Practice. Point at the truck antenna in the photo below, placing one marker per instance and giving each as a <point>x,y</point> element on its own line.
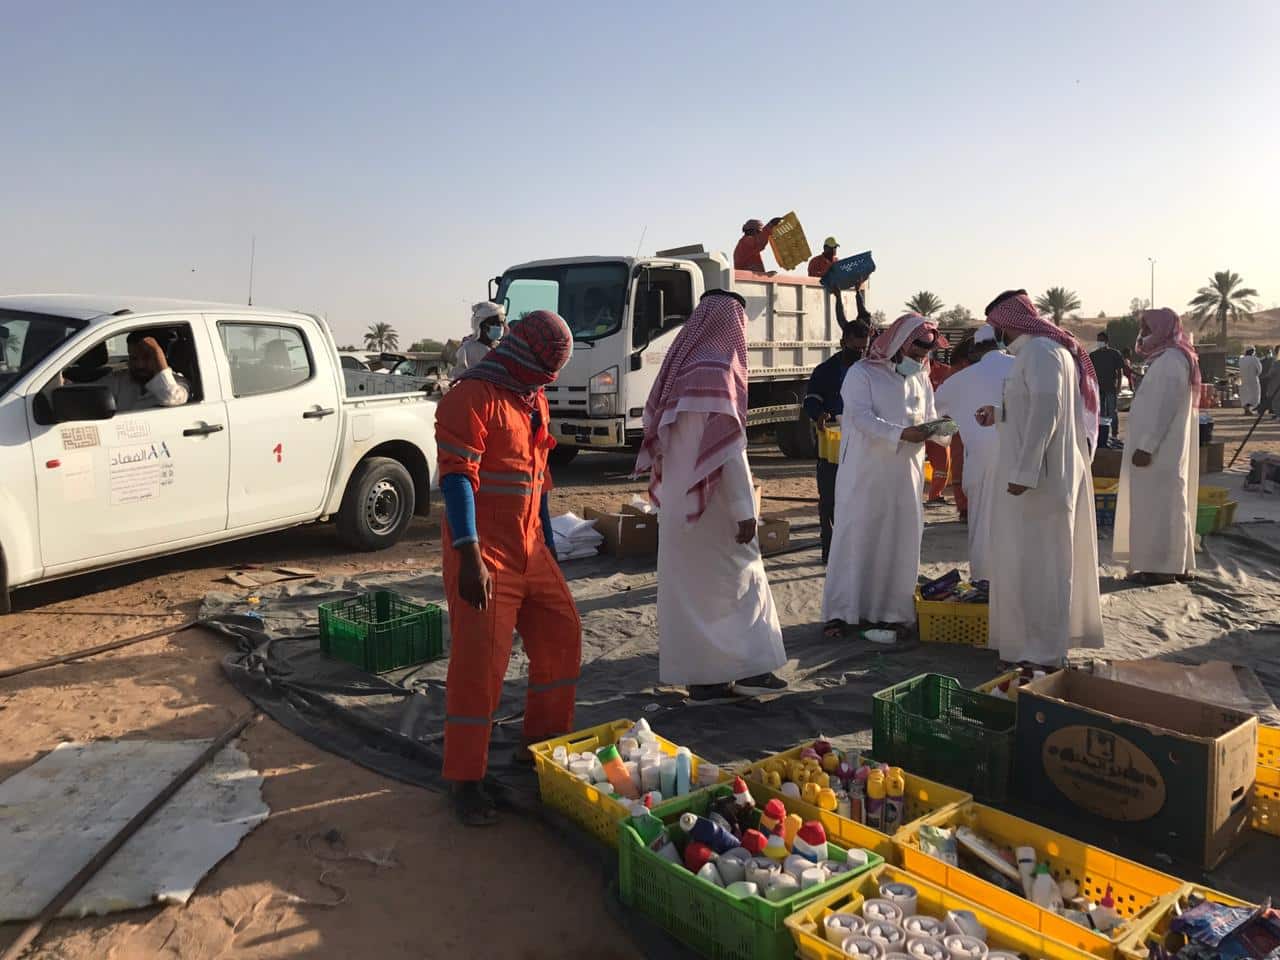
<point>253,250</point>
<point>643,230</point>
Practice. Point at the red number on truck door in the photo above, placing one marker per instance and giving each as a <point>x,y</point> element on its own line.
<point>278,450</point>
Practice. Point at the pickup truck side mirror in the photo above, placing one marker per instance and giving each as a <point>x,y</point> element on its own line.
<point>88,401</point>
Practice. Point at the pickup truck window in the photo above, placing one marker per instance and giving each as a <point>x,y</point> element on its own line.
<point>265,357</point>
<point>27,338</point>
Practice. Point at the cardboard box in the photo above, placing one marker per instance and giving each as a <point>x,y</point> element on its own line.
<point>1177,772</point>
<point>628,532</point>
<point>1213,455</point>
<point>773,534</point>
<point>1106,462</point>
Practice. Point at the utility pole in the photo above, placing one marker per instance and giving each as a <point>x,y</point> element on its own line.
<point>253,251</point>
<point>1153,282</point>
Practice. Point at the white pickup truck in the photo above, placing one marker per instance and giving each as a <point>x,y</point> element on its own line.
<point>268,437</point>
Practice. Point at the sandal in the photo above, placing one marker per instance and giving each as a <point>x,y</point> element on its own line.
<point>835,629</point>
<point>472,804</point>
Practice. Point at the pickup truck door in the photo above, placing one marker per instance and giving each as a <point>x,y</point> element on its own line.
<point>146,477</point>
<point>284,410</point>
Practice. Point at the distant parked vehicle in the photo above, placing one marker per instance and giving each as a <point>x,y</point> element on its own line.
<point>353,361</point>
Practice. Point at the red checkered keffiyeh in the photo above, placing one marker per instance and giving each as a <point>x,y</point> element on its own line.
<point>909,326</point>
<point>1167,334</point>
<point>530,356</point>
<point>705,371</point>
<point>1018,315</point>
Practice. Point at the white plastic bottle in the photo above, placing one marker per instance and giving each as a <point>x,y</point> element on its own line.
<point>1044,889</point>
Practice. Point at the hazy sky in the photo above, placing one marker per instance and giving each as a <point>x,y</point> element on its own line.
<point>390,157</point>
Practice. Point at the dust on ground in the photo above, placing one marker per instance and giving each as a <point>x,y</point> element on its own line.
<point>512,891</point>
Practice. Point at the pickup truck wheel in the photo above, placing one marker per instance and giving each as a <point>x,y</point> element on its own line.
<point>562,454</point>
<point>378,505</point>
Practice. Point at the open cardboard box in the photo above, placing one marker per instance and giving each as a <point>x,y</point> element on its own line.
<point>773,533</point>
<point>627,532</point>
<point>1178,772</point>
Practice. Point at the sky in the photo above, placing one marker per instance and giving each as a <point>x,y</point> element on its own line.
<point>391,157</point>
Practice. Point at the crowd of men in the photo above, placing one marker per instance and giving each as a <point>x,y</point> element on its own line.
<point>1028,403</point>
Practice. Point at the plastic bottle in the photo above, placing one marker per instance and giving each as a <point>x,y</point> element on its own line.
<point>617,774</point>
<point>684,771</point>
<point>875,800</point>
<point>645,824</point>
<point>1044,889</point>
<point>561,756</point>
<point>1026,868</point>
<point>790,827</point>
<point>1104,916</point>
<point>703,830</point>
<point>895,799</point>
<point>667,777</point>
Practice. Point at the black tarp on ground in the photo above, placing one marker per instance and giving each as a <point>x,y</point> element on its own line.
<point>392,724</point>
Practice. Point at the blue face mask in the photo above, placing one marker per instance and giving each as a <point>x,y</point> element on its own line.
<point>493,331</point>
<point>908,367</point>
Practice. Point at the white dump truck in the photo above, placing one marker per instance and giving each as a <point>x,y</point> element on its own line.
<point>263,434</point>
<point>625,312</point>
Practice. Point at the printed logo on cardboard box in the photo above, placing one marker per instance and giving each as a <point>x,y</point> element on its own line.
<point>1103,773</point>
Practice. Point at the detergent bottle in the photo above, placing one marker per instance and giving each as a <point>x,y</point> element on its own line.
<point>790,827</point>
<point>616,772</point>
<point>645,824</point>
<point>875,800</point>
<point>1104,916</point>
<point>895,785</point>
<point>684,770</point>
<point>1044,889</point>
<point>703,830</point>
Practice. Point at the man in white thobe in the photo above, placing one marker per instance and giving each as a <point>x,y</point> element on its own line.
<point>488,326</point>
<point>1250,381</point>
<point>879,519</point>
<point>977,385</point>
<point>1044,556</point>
<point>718,631</point>
<point>1159,483</point>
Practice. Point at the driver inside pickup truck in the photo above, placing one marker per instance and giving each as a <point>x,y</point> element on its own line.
<point>146,383</point>
<point>500,570</point>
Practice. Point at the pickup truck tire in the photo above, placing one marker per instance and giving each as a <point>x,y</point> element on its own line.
<point>562,454</point>
<point>378,505</point>
<point>798,440</point>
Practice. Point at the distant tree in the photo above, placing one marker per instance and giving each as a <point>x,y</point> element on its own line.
<point>957,316</point>
<point>381,336</point>
<point>1102,314</point>
<point>1122,332</point>
<point>879,318</point>
<point>925,303</point>
<point>426,345</point>
<point>349,348</point>
<point>1058,302</point>
<point>1223,299</point>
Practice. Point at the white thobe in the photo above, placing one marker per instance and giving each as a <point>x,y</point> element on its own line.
<point>1250,381</point>
<point>716,618</point>
<point>165,389</point>
<point>959,397</point>
<point>875,545</point>
<point>1044,556</point>
<point>1156,508</point>
<point>470,352</point>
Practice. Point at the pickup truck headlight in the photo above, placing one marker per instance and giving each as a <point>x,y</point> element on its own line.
<point>602,393</point>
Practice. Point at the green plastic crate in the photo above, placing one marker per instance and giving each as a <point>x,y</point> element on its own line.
<point>381,631</point>
<point>699,913</point>
<point>1206,518</point>
<point>935,728</point>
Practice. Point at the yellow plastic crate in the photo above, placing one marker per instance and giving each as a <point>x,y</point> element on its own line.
<point>1138,890</point>
<point>945,621</point>
<point>829,444</point>
<point>1214,495</point>
<point>598,813</point>
<point>1106,484</point>
<point>1227,513</point>
<point>922,798</point>
<point>808,923</point>
<point>1265,809</point>
<point>1134,945</point>
<point>1268,746</point>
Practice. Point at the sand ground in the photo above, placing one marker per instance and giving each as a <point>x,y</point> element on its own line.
<point>284,892</point>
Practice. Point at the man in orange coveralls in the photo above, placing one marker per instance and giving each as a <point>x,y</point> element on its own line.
<point>500,570</point>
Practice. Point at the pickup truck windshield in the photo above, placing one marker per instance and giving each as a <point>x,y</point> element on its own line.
<point>27,338</point>
<point>590,296</point>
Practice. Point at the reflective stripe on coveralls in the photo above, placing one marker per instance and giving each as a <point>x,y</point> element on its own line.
<point>484,433</point>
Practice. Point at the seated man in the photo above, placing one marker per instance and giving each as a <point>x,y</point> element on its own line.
<point>148,382</point>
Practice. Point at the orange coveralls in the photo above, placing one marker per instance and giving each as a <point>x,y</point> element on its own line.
<point>484,432</point>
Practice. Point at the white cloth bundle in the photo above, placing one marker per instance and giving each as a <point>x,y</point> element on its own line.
<point>575,538</point>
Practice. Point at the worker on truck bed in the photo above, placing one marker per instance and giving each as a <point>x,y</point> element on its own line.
<point>755,237</point>
<point>820,264</point>
<point>500,571</point>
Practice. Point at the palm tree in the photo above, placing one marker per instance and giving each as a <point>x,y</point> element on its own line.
<point>925,303</point>
<point>1058,301</point>
<point>381,336</point>
<point>1223,298</point>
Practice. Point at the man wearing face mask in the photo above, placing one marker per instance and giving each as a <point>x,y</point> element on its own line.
<point>1044,542</point>
<point>823,406</point>
<point>875,547</point>
<point>488,326</point>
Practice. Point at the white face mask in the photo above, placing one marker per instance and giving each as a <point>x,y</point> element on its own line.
<point>908,367</point>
